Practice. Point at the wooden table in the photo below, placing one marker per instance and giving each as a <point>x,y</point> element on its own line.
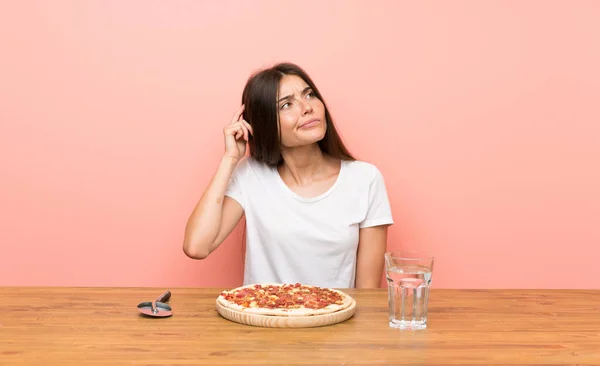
<point>88,326</point>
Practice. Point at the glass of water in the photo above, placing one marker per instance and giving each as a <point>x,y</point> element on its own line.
<point>408,276</point>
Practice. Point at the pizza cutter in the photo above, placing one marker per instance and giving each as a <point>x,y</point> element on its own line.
<point>157,308</point>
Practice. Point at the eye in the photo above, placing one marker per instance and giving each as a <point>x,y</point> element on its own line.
<point>284,105</point>
<point>311,94</point>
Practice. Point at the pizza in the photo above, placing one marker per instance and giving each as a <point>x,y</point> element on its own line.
<point>285,299</point>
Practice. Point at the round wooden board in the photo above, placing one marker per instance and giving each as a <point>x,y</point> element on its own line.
<point>287,321</point>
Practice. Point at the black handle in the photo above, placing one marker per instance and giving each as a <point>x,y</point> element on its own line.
<point>164,297</point>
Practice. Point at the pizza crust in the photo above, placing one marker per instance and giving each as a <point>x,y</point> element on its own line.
<point>300,312</point>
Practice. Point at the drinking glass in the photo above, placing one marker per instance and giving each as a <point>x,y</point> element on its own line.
<point>408,276</point>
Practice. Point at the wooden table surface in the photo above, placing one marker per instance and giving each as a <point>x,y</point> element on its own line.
<point>90,326</point>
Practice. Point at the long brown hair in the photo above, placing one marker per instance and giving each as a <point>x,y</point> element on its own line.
<point>260,98</point>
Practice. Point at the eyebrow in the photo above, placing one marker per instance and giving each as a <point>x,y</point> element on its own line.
<point>289,96</point>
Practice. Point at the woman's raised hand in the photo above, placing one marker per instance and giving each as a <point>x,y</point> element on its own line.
<point>236,135</point>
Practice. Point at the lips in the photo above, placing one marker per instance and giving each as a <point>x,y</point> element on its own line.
<point>310,123</point>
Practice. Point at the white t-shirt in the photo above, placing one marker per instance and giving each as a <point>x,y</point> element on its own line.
<point>313,241</point>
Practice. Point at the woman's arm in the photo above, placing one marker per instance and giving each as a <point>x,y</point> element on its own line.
<point>214,217</point>
<point>215,214</point>
<point>372,244</point>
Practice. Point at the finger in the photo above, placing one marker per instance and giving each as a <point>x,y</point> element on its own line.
<point>232,129</point>
<point>234,133</point>
<point>243,129</point>
<point>239,133</point>
<point>237,127</point>
<point>248,126</point>
<point>238,114</point>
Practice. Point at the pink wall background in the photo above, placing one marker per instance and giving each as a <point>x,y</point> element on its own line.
<point>483,116</point>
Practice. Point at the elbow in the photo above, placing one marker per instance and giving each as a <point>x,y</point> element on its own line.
<point>194,252</point>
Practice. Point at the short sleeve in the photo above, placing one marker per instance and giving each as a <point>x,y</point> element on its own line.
<point>235,184</point>
<point>379,211</point>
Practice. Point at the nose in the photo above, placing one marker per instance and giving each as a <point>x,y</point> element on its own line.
<point>306,107</point>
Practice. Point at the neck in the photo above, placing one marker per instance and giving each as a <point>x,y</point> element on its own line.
<point>303,163</point>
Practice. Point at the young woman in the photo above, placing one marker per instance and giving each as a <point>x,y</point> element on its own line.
<point>314,214</point>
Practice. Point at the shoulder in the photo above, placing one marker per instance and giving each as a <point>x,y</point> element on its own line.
<point>363,170</point>
<point>250,166</point>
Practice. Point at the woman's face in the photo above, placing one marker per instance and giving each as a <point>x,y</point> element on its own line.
<point>301,113</point>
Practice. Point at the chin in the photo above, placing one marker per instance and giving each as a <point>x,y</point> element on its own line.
<point>306,140</point>
<point>315,136</point>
